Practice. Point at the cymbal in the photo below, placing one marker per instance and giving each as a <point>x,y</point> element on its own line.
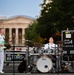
<point>60,41</point>
<point>37,44</point>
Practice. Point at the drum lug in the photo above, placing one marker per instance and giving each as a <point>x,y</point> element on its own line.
<point>34,69</point>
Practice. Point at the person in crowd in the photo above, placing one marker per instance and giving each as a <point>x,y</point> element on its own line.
<point>2,42</point>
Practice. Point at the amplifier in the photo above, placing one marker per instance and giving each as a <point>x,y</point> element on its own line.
<point>68,44</point>
<point>68,57</point>
<point>16,56</point>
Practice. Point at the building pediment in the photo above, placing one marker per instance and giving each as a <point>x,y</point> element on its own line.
<point>18,19</point>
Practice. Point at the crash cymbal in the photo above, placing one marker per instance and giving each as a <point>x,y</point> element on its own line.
<point>60,41</point>
<point>37,44</point>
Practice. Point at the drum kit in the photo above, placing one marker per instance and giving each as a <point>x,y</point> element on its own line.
<point>40,60</point>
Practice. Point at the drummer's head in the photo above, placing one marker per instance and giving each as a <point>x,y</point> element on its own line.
<point>51,40</point>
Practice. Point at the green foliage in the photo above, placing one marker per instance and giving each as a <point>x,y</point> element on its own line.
<point>31,33</point>
<point>7,45</point>
<point>7,37</point>
<point>56,16</point>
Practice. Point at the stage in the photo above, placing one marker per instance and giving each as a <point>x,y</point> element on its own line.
<point>12,68</point>
<point>8,69</point>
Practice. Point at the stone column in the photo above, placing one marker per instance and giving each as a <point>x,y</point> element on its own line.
<point>4,30</point>
<point>23,35</point>
<point>16,36</point>
<point>10,34</point>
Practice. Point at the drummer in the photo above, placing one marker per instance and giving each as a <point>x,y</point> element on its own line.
<point>53,47</point>
<point>50,45</point>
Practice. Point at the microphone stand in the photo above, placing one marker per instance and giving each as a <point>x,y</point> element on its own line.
<point>27,59</point>
<point>13,55</point>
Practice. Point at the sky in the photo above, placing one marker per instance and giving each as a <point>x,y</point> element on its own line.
<point>20,7</point>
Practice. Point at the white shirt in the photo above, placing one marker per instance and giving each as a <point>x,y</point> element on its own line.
<point>50,46</point>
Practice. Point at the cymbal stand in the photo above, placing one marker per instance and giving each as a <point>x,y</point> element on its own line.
<point>13,55</point>
<point>57,57</point>
<point>27,58</point>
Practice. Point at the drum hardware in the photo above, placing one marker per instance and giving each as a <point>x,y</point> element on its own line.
<point>72,64</point>
<point>33,60</point>
<point>44,65</point>
<point>27,59</point>
<point>45,61</point>
<point>13,39</point>
<point>44,58</point>
<point>33,68</point>
<point>65,67</point>
<point>49,53</point>
<point>58,59</point>
<point>68,64</point>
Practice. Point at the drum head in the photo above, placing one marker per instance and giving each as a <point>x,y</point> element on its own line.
<point>44,64</point>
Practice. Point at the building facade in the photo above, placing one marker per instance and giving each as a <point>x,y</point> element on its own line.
<point>15,28</point>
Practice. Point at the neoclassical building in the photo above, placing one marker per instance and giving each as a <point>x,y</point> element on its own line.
<point>15,27</point>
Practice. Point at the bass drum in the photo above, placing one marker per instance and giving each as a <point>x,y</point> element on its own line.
<point>44,64</point>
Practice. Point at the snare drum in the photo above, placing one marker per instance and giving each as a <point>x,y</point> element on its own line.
<point>44,64</point>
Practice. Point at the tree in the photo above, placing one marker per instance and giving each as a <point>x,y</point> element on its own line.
<point>31,33</point>
<point>7,37</point>
<point>7,44</point>
<point>55,16</point>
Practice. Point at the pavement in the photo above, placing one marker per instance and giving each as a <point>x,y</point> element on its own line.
<point>9,69</point>
<point>35,74</point>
